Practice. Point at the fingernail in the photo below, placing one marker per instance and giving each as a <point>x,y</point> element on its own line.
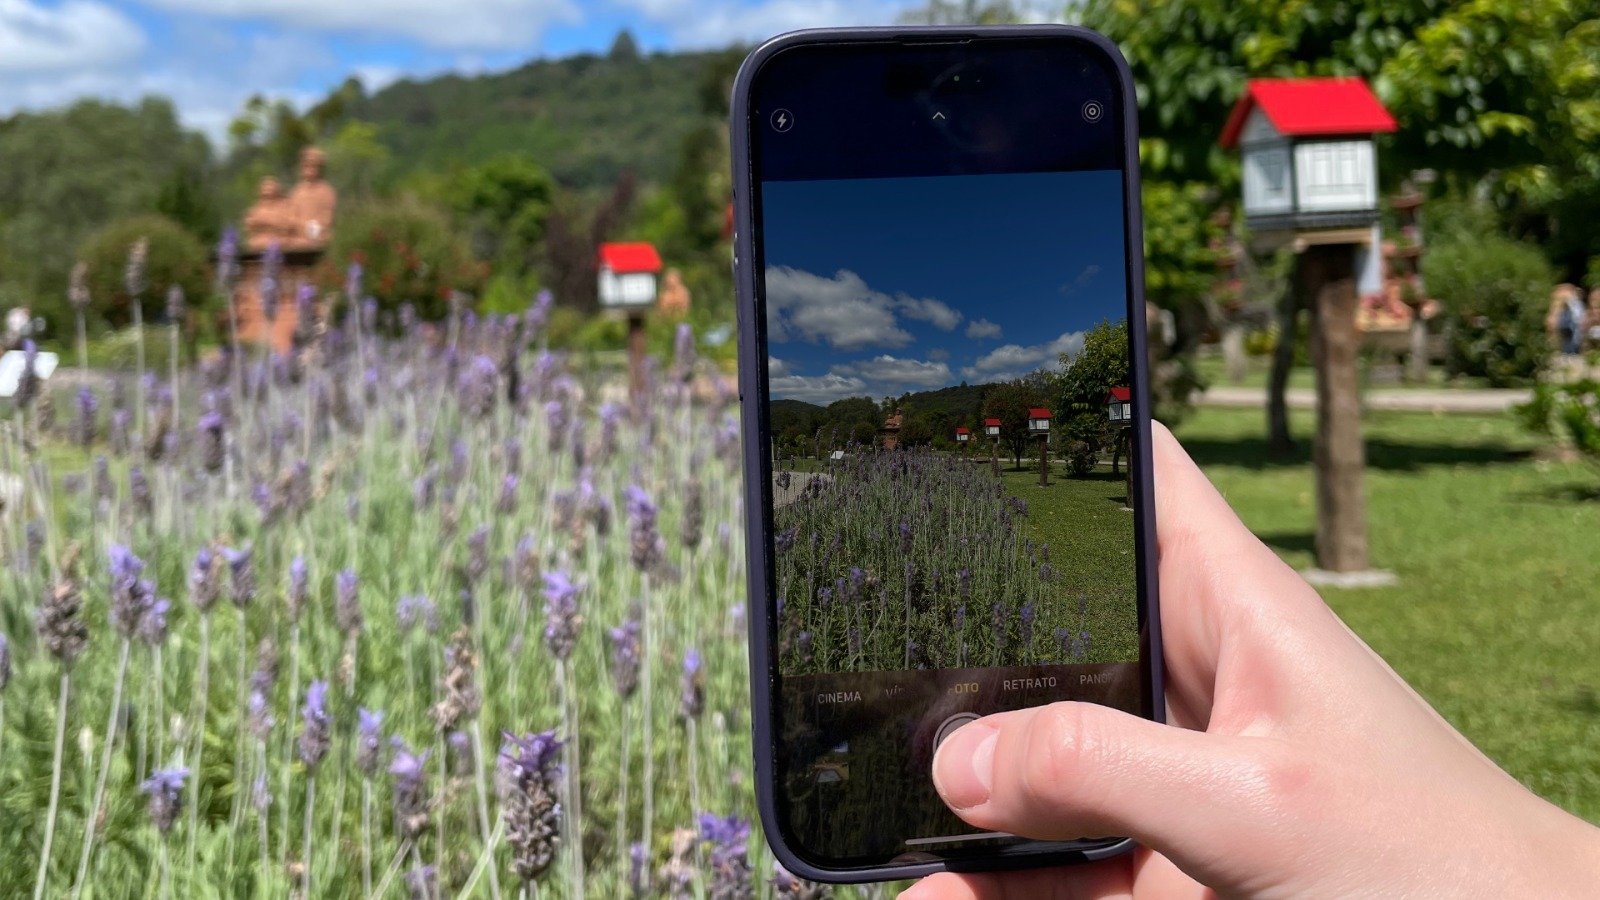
<point>963,769</point>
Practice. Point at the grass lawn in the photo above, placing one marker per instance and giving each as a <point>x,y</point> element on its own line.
<point>1212,370</point>
<point>1090,534</point>
<point>1496,619</point>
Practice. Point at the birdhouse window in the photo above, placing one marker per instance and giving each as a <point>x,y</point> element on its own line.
<point>1336,176</point>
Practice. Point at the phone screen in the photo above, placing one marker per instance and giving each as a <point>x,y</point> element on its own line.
<point>943,269</point>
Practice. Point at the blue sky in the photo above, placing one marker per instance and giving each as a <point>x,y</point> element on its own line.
<point>880,286</point>
<point>210,55</point>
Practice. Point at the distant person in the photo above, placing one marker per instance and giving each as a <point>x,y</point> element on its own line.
<point>1594,319</point>
<point>1568,319</point>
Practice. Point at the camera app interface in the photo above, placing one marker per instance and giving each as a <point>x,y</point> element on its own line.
<point>950,422</point>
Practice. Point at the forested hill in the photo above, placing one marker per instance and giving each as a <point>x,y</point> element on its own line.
<point>585,118</point>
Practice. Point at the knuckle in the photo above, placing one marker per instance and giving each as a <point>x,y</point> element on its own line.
<point>1058,752</point>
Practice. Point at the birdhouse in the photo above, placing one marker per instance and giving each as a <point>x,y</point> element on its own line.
<point>1038,421</point>
<point>628,276</point>
<point>991,427</point>
<point>1306,145</point>
<point>1119,404</point>
<point>963,434</point>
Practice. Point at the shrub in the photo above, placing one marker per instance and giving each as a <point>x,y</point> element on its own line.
<point>411,253</point>
<point>1570,412</point>
<point>175,257</point>
<point>1494,291</point>
<point>1081,458</point>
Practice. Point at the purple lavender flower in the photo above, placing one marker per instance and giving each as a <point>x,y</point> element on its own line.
<point>638,870</point>
<point>411,801</point>
<point>139,492</point>
<point>506,504</point>
<point>205,579</point>
<point>610,419</point>
<point>683,352</point>
<point>1027,616</point>
<point>5,661</point>
<point>369,741</point>
<point>152,628</point>
<point>558,422</point>
<point>133,275</point>
<point>165,790</point>
<point>532,816</point>
<point>479,386</point>
<point>692,691</point>
<point>728,839</point>
<point>788,886</point>
<point>539,312</point>
<point>131,595</point>
<point>347,602</point>
<point>644,541</point>
<point>271,285</point>
<point>228,259</point>
<point>626,654</point>
<point>352,282</point>
<point>60,620</point>
<point>176,304</point>
<point>561,617</point>
<point>460,744</point>
<point>241,576</point>
<point>299,587</point>
<point>422,883</point>
<point>259,715</point>
<point>118,436</point>
<point>83,425</point>
<point>213,446</point>
<point>78,288</point>
<point>414,609</point>
<point>477,555</point>
<point>317,734</point>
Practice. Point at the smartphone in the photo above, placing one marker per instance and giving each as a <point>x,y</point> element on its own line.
<point>943,381</point>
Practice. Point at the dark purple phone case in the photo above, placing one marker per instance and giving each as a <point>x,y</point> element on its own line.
<point>758,475</point>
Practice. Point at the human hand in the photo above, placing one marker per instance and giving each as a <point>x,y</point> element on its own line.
<point>1302,764</point>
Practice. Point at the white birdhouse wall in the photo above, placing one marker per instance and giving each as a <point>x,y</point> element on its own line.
<point>1335,176</point>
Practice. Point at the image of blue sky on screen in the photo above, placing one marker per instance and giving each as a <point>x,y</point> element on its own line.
<point>878,287</point>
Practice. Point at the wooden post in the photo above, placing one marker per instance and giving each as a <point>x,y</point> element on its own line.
<point>1327,276</point>
<point>1044,460</point>
<point>636,353</point>
<point>994,455</point>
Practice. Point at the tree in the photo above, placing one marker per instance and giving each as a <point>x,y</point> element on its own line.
<point>624,49</point>
<point>506,203</point>
<point>1009,402</point>
<point>1495,294</point>
<point>572,239</point>
<point>67,173</point>
<point>411,251</point>
<point>1081,388</point>
<point>175,257</point>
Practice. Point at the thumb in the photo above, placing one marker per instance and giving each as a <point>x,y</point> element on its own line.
<point>1074,770</point>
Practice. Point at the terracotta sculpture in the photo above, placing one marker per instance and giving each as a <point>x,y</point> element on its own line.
<point>270,220</point>
<point>675,294</point>
<point>313,200</point>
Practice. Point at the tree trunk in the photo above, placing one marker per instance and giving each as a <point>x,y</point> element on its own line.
<point>1328,276</point>
<point>1279,441</point>
<point>1417,362</point>
<point>636,355</point>
<point>1234,362</point>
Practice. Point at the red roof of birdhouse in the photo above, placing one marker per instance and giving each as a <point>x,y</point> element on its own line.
<point>991,423</point>
<point>962,429</point>
<point>1119,395</point>
<point>1038,412</point>
<point>1304,107</point>
<point>628,259</point>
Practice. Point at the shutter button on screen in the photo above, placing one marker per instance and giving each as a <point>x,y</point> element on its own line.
<point>951,725</point>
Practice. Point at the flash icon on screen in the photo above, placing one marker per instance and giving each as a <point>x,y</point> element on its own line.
<point>782,120</point>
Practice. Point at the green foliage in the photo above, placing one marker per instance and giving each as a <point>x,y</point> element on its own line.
<point>1009,402</point>
<point>1080,391</point>
<point>411,253</point>
<point>1568,411</point>
<point>1494,293</point>
<point>67,173</point>
<point>586,119</point>
<point>175,257</point>
<point>505,203</point>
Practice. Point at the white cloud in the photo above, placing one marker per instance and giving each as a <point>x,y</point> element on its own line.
<point>933,312</point>
<point>981,329</point>
<point>903,373</point>
<point>841,311</point>
<point>67,38</point>
<point>776,367</point>
<point>1014,360</point>
<point>479,24</point>
<point>820,389</point>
